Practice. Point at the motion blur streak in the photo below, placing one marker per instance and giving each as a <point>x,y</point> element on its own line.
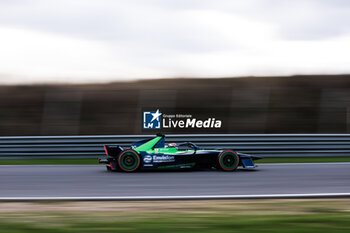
<point>90,181</point>
<point>300,104</point>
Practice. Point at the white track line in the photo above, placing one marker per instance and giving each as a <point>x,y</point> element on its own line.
<point>194,197</point>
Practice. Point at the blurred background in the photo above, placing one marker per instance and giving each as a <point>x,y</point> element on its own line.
<point>91,67</point>
<point>297,104</point>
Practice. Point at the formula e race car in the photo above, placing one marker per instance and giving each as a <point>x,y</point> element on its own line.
<point>154,154</point>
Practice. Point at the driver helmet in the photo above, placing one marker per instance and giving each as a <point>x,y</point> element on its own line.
<point>172,144</point>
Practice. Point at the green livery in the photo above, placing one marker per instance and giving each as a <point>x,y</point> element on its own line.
<point>154,153</point>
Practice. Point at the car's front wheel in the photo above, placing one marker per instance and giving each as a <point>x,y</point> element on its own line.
<point>129,161</point>
<point>228,160</point>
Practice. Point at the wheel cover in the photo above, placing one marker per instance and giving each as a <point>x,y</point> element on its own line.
<point>229,160</point>
<point>129,161</point>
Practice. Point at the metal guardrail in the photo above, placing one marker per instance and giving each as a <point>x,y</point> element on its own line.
<point>266,145</point>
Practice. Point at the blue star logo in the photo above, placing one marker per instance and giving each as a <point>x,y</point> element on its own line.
<point>151,120</point>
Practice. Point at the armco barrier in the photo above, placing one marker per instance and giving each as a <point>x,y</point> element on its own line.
<point>266,145</point>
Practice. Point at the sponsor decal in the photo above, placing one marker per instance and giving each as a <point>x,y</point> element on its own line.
<point>163,158</point>
<point>184,165</point>
<point>148,165</point>
<point>147,159</point>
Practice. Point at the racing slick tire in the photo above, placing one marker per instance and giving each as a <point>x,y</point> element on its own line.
<point>228,160</point>
<point>129,161</point>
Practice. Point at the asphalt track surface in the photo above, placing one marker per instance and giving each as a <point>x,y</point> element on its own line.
<point>55,181</point>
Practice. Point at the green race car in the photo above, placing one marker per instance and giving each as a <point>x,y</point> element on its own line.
<point>153,153</point>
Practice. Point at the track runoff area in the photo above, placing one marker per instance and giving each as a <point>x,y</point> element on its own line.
<point>93,182</point>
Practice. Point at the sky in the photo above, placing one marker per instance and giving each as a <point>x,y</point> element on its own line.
<point>82,41</point>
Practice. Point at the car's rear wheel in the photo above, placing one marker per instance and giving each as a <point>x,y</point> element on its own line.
<point>228,160</point>
<point>129,161</point>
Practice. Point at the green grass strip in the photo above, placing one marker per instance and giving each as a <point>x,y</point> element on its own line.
<point>209,217</point>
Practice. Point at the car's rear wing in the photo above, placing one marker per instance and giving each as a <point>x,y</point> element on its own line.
<point>113,150</point>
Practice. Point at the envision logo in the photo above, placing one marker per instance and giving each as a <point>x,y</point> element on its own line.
<point>151,120</point>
